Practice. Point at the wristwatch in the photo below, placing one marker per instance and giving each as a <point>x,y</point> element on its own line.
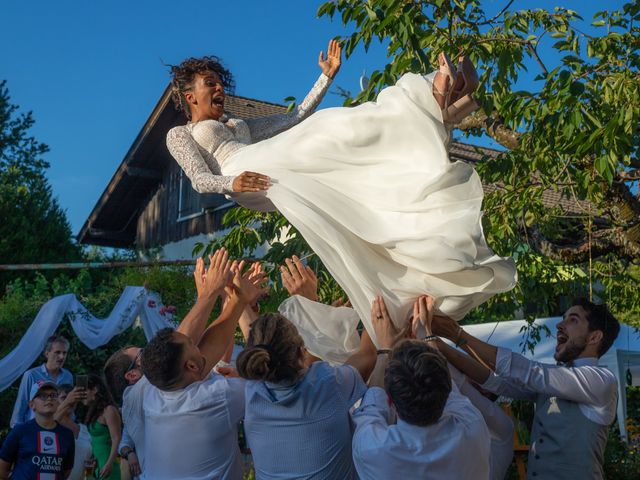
<point>126,454</point>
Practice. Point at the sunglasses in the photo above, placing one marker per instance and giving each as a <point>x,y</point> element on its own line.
<point>47,396</point>
<point>134,362</point>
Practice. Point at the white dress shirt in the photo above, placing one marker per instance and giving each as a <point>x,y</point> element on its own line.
<point>133,421</point>
<point>192,433</point>
<point>498,422</point>
<point>456,446</point>
<point>594,388</point>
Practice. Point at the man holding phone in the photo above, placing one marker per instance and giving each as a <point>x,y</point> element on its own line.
<point>55,354</point>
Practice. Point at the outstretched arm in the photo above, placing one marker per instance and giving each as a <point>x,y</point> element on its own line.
<point>483,352</point>
<point>242,292</point>
<point>265,127</point>
<point>423,313</point>
<point>584,384</point>
<point>366,360</point>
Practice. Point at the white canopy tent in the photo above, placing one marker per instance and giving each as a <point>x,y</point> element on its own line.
<point>622,356</point>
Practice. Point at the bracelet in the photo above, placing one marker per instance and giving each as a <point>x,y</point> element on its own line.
<point>459,340</point>
<point>126,455</point>
<point>430,338</point>
<point>383,351</point>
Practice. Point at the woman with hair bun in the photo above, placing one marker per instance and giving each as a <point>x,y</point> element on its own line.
<point>297,413</point>
<point>370,188</point>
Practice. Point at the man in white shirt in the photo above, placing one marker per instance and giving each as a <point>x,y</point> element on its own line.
<point>123,371</point>
<point>438,433</point>
<point>191,415</point>
<point>500,426</point>
<point>575,400</point>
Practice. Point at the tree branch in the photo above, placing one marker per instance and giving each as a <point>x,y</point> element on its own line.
<point>629,176</point>
<point>602,242</point>
<point>491,20</point>
<point>534,52</point>
<point>493,127</point>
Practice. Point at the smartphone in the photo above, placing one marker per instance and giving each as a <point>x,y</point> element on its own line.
<point>82,381</point>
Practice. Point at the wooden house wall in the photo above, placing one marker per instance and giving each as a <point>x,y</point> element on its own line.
<point>158,223</point>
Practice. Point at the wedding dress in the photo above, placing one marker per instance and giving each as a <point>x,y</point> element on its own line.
<point>372,191</point>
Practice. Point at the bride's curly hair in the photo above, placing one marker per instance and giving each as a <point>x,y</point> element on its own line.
<point>184,74</point>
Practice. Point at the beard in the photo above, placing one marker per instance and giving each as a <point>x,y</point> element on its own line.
<point>571,350</point>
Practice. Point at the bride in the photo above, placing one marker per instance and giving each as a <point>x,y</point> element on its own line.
<point>370,188</point>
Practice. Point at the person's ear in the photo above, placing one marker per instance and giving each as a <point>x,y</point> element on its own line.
<point>190,98</point>
<point>192,366</point>
<point>595,337</point>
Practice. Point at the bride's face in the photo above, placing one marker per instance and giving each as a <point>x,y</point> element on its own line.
<point>206,97</point>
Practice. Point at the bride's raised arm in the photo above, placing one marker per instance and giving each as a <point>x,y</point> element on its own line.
<point>268,126</point>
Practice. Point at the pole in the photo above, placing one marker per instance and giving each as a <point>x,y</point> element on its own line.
<point>89,265</point>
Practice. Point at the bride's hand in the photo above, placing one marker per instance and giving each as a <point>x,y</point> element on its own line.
<point>251,182</point>
<point>331,64</point>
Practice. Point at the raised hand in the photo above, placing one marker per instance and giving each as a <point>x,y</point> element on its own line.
<point>247,287</point>
<point>386,332</point>
<point>423,314</point>
<point>77,394</point>
<point>331,63</point>
<point>251,182</point>
<point>218,275</point>
<point>198,276</point>
<point>299,279</point>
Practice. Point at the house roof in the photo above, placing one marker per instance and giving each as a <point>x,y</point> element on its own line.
<point>113,220</point>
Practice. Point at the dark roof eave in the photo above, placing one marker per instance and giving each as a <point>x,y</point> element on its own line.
<point>121,171</point>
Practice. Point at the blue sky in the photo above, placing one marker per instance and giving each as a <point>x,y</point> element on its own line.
<point>91,71</point>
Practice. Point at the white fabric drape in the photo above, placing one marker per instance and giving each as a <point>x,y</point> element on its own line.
<point>92,331</point>
<point>328,332</point>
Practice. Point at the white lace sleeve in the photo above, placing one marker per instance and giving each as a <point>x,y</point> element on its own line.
<point>185,150</point>
<point>265,127</point>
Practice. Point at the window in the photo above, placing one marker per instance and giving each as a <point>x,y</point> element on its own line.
<point>193,204</point>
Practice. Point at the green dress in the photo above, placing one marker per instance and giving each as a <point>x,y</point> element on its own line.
<point>101,446</point>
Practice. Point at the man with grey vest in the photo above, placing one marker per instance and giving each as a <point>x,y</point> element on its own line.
<point>575,400</point>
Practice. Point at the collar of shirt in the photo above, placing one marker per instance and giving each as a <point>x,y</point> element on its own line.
<point>581,362</point>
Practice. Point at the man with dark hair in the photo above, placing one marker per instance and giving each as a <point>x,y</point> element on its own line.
<point>123,370</point>
<point>55,354</point>
<point>438,433</point>
<point>40,448</point>
<point>191,414</point>
<point>575,400</point>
